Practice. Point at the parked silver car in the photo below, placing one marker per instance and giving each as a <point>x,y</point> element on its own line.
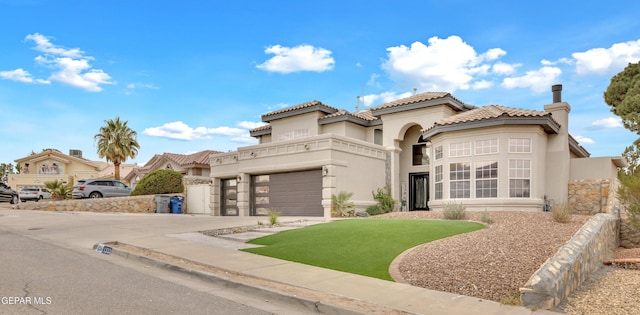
<point>34,193</point>
<point>99,188</point>
<point>8,194</point>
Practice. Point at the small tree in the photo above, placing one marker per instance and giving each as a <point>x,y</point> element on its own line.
<point>341,205</point>
<point>159,182</point>
<point>59,190</point>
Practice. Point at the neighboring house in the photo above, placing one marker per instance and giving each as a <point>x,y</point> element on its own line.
<point>51,164</point>
<point>194,167</point>
<point>430,149</point>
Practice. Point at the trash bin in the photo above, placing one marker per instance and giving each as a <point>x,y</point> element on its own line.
<point>162,204</point>
<point>176,204</point>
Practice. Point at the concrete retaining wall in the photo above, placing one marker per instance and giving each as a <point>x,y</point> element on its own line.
<point>572,265</point>
<point>131,204</point>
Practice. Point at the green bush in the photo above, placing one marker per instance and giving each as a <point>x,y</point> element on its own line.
<point>59,190</point>
<point>385,201</point>
<point>629,196</point>
<point>341,205</point>
<point>273,216</point>
<point>454,211</point>
<point>159,182</point>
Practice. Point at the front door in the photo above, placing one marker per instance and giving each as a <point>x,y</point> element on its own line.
<point>418,191</point>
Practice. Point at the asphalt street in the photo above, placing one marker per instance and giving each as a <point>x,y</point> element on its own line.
<point>41,278</point>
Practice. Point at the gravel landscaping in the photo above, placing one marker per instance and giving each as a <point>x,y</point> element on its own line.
<point>495,262</point>
<point>492,263</point>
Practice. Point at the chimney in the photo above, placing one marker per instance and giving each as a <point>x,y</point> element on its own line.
<point>557,93</point>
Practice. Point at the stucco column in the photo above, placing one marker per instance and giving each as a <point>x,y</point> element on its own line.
<point>392,169</point>
<point>328,188</point>
<point>215,194</point>
<point>244,194</point>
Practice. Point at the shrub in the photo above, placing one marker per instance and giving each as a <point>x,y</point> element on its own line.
<point>385,201</point>
<point>629,196</point>
<point>159,182</point>
<point>273,216</point>
<point>561,213</point>
<point>341,204</point>
<point>454,211</point>
<point>485,218</point>
<point>58,189</point>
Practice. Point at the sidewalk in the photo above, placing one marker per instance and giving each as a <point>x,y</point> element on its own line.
<point>167,235</point>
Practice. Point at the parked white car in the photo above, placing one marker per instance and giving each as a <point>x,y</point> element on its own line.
<point>34,193</point>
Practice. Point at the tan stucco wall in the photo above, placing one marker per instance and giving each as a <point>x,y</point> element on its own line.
<point>353,166</point>
<point>304,121</point>
<point>345,128</point>
<point>71,170</point>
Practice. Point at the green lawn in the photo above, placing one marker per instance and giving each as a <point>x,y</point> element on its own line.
<point>360,246</point>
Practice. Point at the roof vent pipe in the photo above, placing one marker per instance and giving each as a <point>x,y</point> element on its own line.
<point>557,93</point>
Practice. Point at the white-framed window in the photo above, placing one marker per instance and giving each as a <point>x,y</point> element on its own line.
<point>489,146</point>
<point>519,145</point>
<point>460,180</point>
<point>438,182</point>
<point>520,178</point>
<point>293,134</point>
<point>437,152</point>
<point>460,149</point>
<point>487,179</point>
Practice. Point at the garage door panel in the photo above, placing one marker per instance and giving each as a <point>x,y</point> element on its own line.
<point>296,193</point>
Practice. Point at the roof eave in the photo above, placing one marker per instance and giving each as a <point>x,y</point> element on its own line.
<point>549,125</point>
<point>445,100</point>
<point>294,112</point>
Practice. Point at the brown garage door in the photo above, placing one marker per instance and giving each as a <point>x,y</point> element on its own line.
<point>291,194</point>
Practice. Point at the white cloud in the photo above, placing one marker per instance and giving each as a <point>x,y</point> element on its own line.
<point>607,60</point>
<point>537,80</point>
<point>504,68</point>
<point>584,140</point>
<point>178,130</point>
<point>483,84</point>
<point>382,98</point>
<point>70,66</point>
<point>296,59</point>
<point>132,87</point>
<point>607,123</point>
<point>250,124</point>
<point>21,75</point>
<point>441,65</point>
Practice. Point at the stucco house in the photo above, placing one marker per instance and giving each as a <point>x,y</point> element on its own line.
<point>429,149</point>
<point>51,164</point>
<point>194,167</point>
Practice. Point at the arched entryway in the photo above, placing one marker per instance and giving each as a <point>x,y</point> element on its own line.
<point>414,170</point>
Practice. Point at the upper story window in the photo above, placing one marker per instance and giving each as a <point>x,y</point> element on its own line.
<point>377,136</point>
<point>519,145</point>
<point>489,146</point>
<point>437,152</point>
<point>420,155</point>
<point>293,134</point>
<point>460,149</point>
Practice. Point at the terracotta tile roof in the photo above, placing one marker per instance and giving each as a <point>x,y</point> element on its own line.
<point>414,99</point>
<point>299,106</point>
<point>198,158</point>
<point>265,127</point>
<point>489,112</point>
<point>366,115</point>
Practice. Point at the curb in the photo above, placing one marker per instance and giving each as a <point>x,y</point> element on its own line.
<point>321,305</point>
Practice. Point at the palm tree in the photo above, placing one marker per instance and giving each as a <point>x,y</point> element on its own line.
<point>117,142</point>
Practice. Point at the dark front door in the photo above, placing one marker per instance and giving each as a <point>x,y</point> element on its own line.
<point>418,191</point>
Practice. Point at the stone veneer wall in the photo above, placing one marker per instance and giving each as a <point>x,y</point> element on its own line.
<point>591,196</point>
<point>132,204</point>
<point>560,275</point>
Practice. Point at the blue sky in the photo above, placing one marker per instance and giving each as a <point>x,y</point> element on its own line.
<point>196,75</point>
